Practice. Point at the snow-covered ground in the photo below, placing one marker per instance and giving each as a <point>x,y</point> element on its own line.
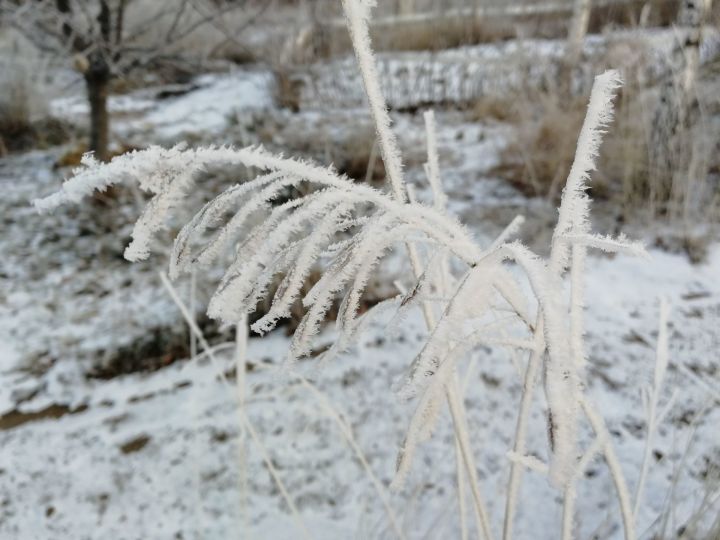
<point>208,106</point>
<point>158,454</point>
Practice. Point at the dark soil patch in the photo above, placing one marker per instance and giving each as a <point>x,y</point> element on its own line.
<point>135,445</point>
<point>155,350</point>
<point>17,418</point>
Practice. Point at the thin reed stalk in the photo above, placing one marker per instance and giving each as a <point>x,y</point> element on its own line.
<point>244,420</point>
<point>346,430</point>
<point>357,15</point>
<point>240,353</point>
<point>613,463</point>
<point>651,400</point>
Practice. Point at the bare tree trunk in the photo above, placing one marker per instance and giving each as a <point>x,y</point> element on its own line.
<point>690,19</point>
<point>672,148</point>
<point>578,29</point>
<point>97,80</point>
<point>574,47</point>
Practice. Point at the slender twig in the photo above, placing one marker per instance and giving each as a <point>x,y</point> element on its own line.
<point>245,421</point>
<point>241,345</point>
<point>347,433</point>
<point>621,489</point>
<point>661,362</point>
<point>519,446</point>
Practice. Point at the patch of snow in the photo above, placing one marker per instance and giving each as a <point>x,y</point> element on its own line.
<point>76,106</point>
<point>157,455</point>
<point>209,109</point>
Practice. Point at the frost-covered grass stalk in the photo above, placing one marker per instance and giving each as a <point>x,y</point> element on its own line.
<point>246,425</point>
<point>357,13</point>
<point>651,398</point>
<point>240,353</point>
<point>258,235</point>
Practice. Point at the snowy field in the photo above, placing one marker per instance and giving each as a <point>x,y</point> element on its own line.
<point>157,454</point>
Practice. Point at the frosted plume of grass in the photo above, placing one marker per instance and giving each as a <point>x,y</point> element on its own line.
<point>357,14</point>
<point>348,228</point>
<point>370,221</point>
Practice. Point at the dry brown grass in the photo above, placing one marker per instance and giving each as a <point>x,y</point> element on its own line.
<point>538,158</point>
<point>443,34</point>
<point>287,88</point>
<point>685,185</point>
<point>355,157</point>
<point>420,35</point>
<point>25,121</point>
<point>542,145</point>
<point>624,158</point>
<point>18,133</point>
<point>499,108</point>
<point>350,152</point>
<point>16,107</point>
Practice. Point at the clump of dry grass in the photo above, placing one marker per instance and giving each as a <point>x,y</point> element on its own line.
<point>288,88</point>
<point>357,156</point>
<point>541,148</point>
<point>351,152</point>
<point>15,108</point>
<point>494,107</point>
<point>679,185</point>
<point>541,151</point>
<point>18,134</point>
<point>157,348</point>
<point>443,33</point>
<point>24,120</point>
<point>430,34</point>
